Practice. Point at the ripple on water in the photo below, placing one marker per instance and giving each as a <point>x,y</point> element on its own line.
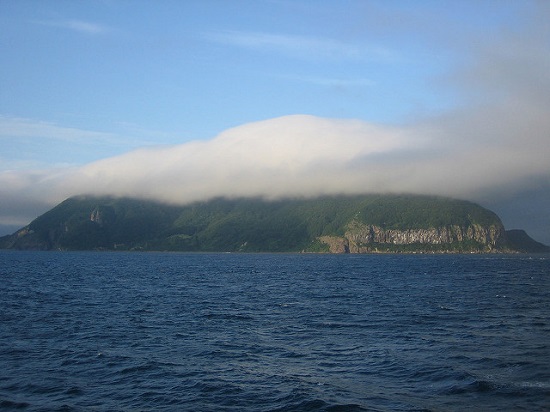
<point>138,331</point>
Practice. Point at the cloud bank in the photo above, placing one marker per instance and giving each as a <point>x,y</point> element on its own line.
<point>490,152</point>
<point>308,156</point>
<point>303,155</point>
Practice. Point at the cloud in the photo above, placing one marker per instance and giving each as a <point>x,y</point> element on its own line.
<point>29,143</point>
<point>26,194</point>
<point>288,156</point>
<point>18,127</point>
<point>302,155</point>
<point>298,46</point>
<point>333,81</point>
<point>80,26</point>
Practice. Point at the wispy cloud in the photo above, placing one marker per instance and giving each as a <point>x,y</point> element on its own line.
<point>333,81</point>
<point>80,26</point>
<point>298,46</point>
<point>17,127</point>
<point>29,143</point>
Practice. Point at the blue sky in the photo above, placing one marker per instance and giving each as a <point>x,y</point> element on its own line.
<point>434,85</point>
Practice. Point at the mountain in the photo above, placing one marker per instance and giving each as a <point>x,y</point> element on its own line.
<point>520,241</point>
<point>337,224</point>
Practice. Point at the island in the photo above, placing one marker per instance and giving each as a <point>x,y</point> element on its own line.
<point>374,223</point>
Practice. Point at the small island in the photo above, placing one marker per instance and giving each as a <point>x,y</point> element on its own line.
<point>330,224</point>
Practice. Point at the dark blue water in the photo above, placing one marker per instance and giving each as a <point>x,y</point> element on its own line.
<point>267,332</point>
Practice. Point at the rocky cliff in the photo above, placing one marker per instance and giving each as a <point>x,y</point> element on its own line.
<point>364,238</point>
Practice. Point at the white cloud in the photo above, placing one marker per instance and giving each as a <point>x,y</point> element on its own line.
<point>17,127</point>
<point>288,156</point>
<point>86,27</point>
<point>80,26</point>
<point>299,46</point>
<point>307,156</point>
<point>333,81</point>
<point>29,144</point>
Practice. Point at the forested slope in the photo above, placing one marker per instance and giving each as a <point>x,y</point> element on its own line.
<point>367,223</point>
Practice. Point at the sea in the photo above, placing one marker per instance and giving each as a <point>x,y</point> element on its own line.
<point>134,331</point>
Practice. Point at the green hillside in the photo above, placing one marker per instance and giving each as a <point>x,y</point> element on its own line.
<point>253,225</point>
<point>520,241</point>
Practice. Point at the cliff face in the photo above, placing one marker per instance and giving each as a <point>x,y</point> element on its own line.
<point>361,238</point>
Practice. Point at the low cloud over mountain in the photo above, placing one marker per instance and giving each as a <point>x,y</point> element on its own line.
<point>493,147</point>
<point>489,152</point>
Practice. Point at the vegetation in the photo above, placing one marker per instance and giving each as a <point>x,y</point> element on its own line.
<point>520,241</point>
<point>246,224</point>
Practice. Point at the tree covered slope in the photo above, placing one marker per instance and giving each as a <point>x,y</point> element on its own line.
<point>356,224</point>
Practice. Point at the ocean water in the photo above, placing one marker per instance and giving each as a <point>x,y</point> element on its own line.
<point>96,331</point>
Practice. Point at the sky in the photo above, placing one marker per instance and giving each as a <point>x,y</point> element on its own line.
<point>187,100</point>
